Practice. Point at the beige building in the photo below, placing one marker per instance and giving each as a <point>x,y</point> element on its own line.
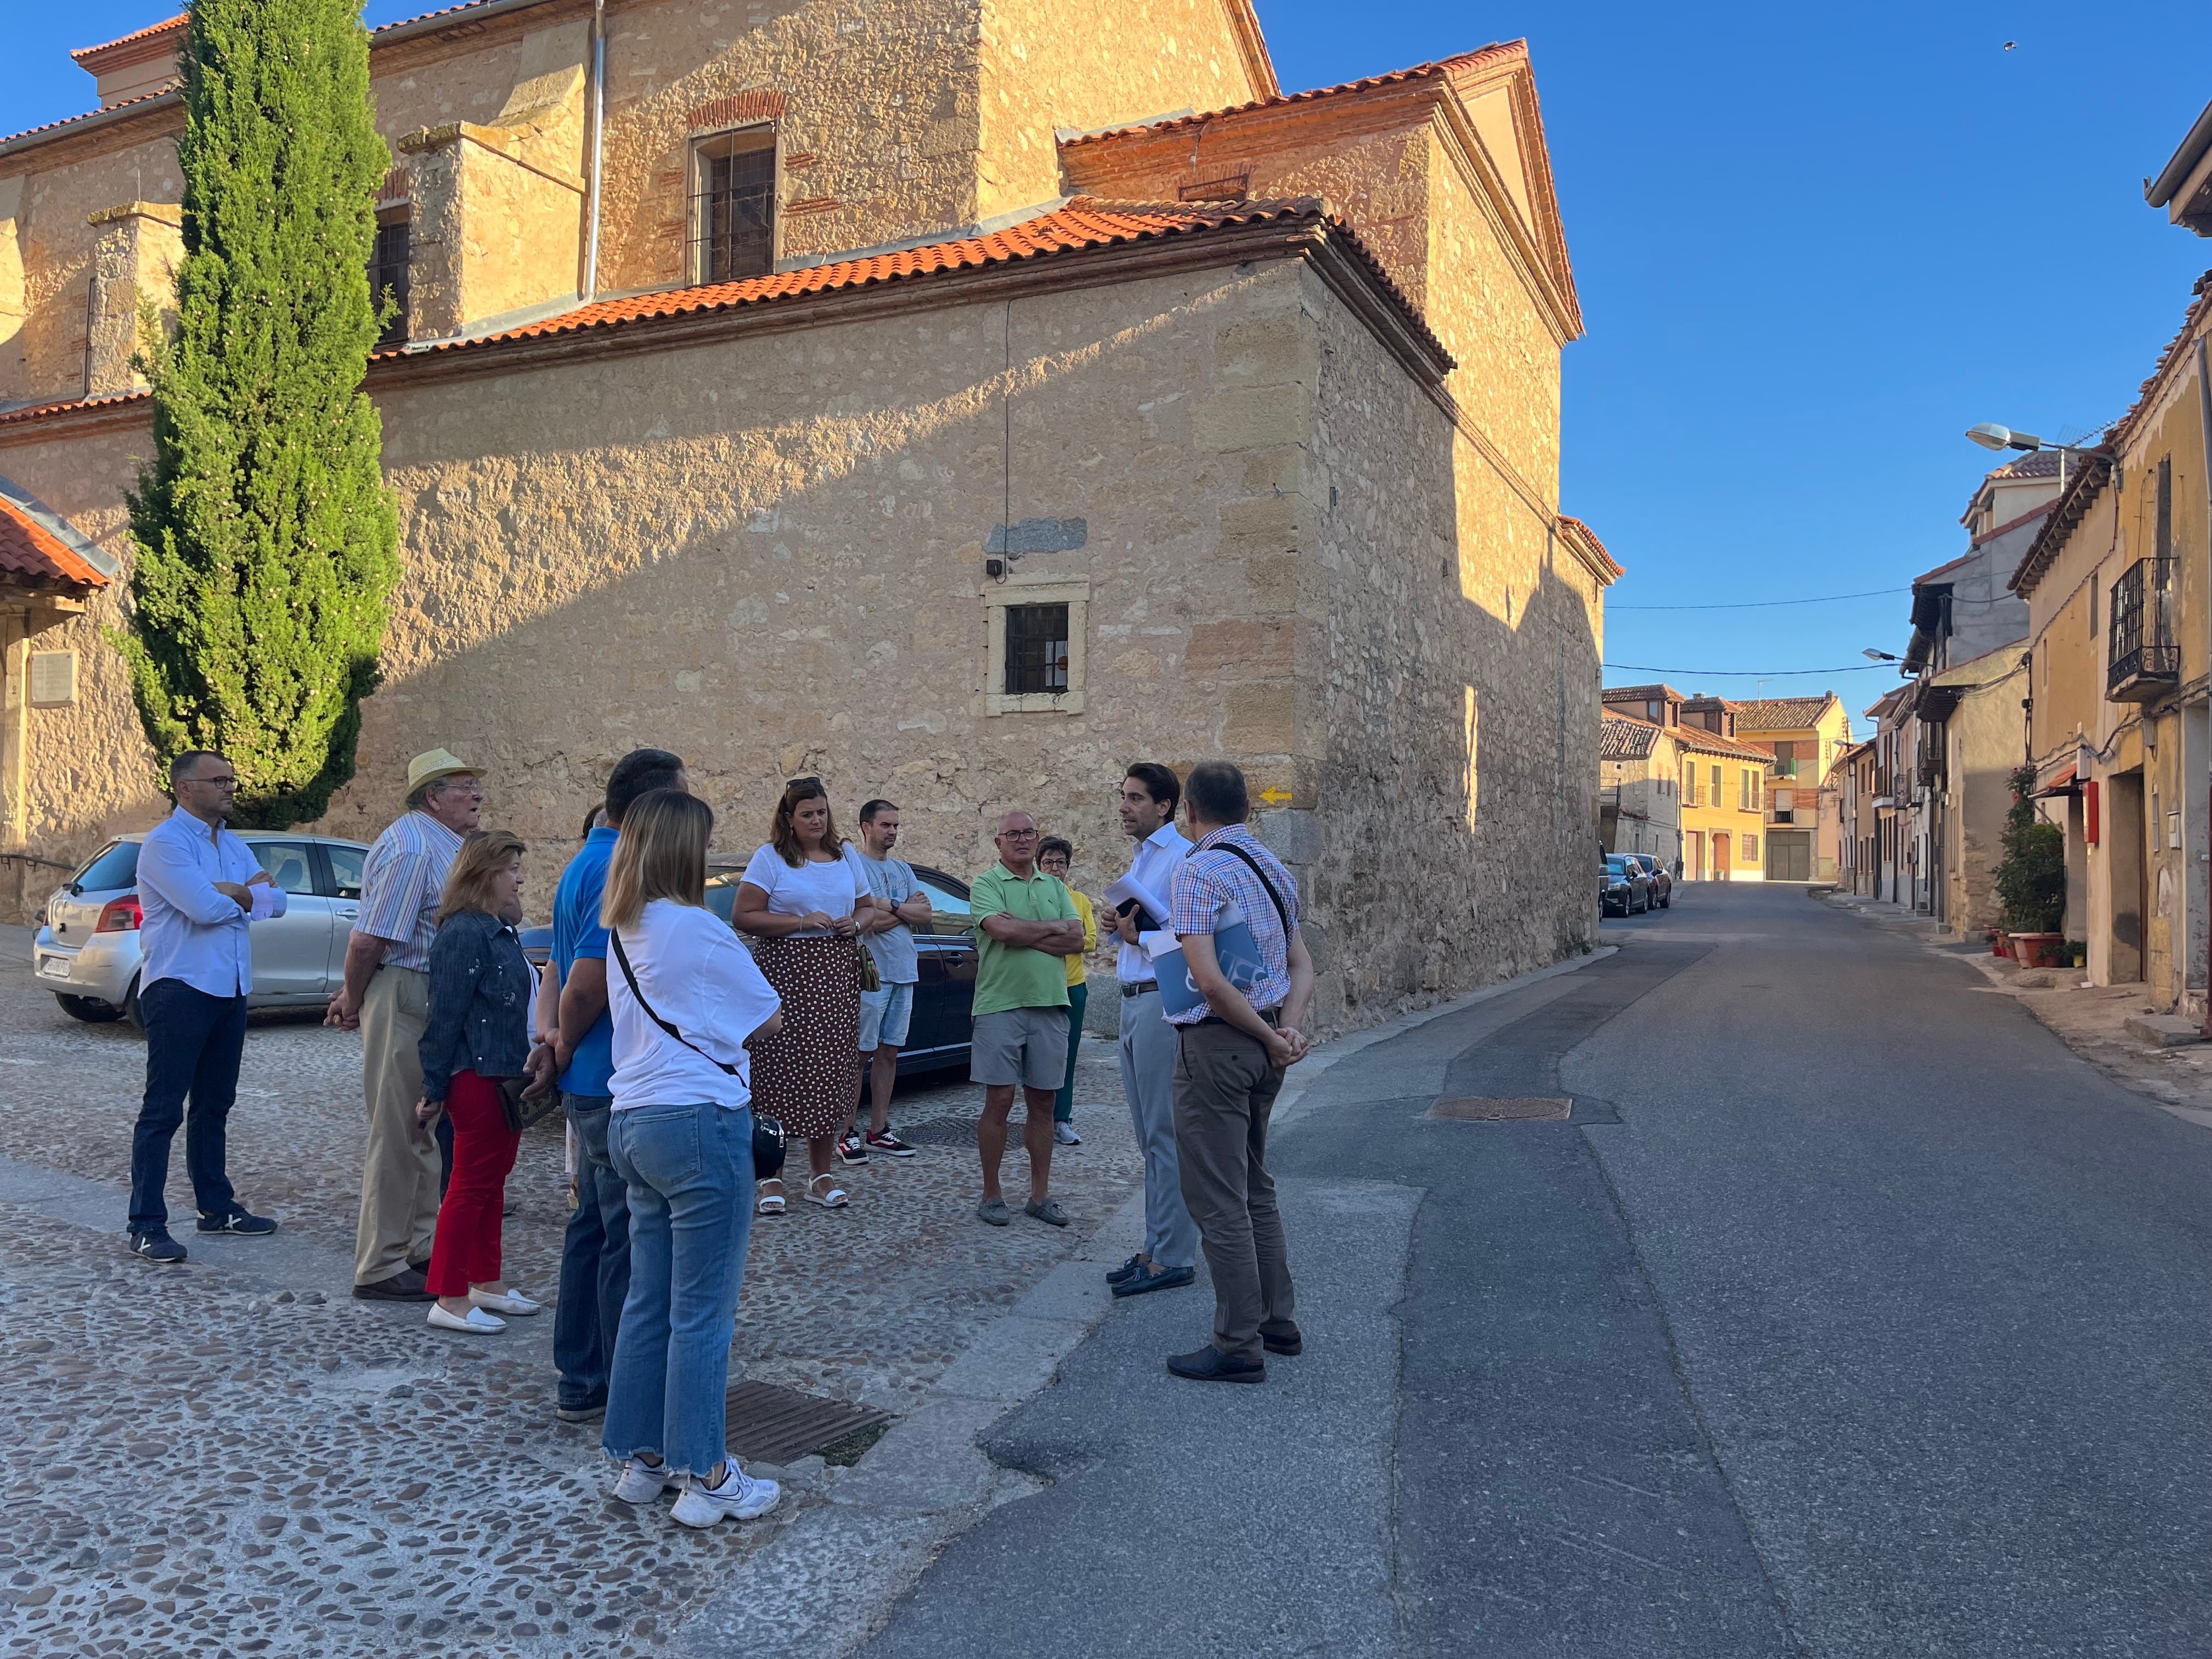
<point>2117,672</point>
<point>920,396</point>
<point>1805,735</point>
<point>1639,787</point>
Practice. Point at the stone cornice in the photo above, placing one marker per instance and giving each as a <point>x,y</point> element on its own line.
<point>496,140</point>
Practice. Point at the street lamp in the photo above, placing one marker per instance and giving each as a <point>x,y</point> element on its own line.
<point>1880,656</point>
<point>1989,436</point>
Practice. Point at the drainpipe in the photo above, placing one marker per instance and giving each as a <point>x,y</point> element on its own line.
<point>2204,427</point>
<point>599,131</point>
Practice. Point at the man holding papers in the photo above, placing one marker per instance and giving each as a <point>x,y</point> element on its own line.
<point>1150,793</point>
<point>1235,1040</point>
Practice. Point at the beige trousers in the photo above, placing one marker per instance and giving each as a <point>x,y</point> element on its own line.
<point>399,1182</point>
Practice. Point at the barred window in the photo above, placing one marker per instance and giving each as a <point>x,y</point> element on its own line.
<point>387,277</point>
<point>733,206</point>
<point>1036,649</point>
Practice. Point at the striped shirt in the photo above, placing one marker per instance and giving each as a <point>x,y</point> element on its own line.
<point>1209,879</point>
<point>401,883</point>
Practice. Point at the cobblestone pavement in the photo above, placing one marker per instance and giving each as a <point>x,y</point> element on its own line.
<point>195,1463</point>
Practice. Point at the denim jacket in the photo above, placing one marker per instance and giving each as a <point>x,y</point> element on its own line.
<point>480,993</point>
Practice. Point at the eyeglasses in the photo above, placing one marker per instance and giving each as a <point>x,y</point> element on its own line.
<point>793,783</point>
<point>1018,834</point>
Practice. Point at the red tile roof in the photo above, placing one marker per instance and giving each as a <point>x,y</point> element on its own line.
<point>1084,223</point>
<point>1465,60</point>
<point>1575,526</point>
<point>35,411</point>
<point>168,23</point>
<point>28,549</point>
<point>170,93</point>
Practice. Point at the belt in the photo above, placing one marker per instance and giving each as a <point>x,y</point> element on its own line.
<point>1137,987</point>
<point>1273,1016</point>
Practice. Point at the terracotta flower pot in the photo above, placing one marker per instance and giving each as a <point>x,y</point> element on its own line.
<point>2000,943</point>
<point>2037,950</point>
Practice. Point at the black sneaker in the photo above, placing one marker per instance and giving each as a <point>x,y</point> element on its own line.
<point>157,1247</point>
<point>888,1144</point>
<point>1210,1364</point>
<point>241,1223</point>
<point>852,1149</point>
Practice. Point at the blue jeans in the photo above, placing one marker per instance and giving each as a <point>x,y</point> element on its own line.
<point>193,1043</point>
<point>595,1262</point>
<point>689,1171</point>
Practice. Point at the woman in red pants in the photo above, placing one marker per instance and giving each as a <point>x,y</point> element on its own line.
<point>478,1033</point>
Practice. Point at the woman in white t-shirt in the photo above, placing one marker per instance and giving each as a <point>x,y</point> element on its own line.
<point>685,998</point>
<point>800,896</point>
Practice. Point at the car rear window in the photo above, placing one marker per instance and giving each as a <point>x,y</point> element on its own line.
<point>947,915</point>
<point>114,866</point>
<point>722,896</point>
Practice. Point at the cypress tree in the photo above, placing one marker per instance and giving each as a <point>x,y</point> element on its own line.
<point>267,540</point>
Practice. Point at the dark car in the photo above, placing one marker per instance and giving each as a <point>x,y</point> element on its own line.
<point>1662,883</point>
<point>938,1036</point>
<point>1623,888</point>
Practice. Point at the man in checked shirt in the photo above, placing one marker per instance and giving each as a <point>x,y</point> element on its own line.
<point>1233,1049</point>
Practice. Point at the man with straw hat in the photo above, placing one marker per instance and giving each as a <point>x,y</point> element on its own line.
<point>386,995</point>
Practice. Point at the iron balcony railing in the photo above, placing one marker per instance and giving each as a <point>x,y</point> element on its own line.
<point>2144,660</point>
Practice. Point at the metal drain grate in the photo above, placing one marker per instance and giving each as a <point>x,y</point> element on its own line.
<point>1499,1109</point>
<point>777,1426</point>
<point>944,1131</point>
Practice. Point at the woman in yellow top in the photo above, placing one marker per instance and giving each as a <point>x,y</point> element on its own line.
<point>1052,857</point>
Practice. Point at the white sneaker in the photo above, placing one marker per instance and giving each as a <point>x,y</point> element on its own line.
<point>510,1302</point>
<point>642,1484</point>
<point>739,1496</point>
<point>479,1323</point>
<point>1066,1135</point>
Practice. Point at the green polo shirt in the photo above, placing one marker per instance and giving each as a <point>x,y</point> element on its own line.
<point>1013,975</point>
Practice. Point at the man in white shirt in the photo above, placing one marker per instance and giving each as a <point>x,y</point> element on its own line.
<point>1150,793</point>
<point>199,888</point>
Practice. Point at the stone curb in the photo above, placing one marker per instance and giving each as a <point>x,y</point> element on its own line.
<point>927,1480</point>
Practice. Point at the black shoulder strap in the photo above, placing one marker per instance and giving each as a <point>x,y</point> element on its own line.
<point>1235,851</point>
<point>630,978</point>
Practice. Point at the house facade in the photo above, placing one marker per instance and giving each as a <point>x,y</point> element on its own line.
<point>2118,668</point>
<point>918,396</point>
<point>1639,788</point>
<point>1720,783</point>
<point>1804,735</point>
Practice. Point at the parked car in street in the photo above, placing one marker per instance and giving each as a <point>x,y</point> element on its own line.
<point>88,954</point>
<point>1623,889</point>
<point>1662,882</point>
<point>945,993</point>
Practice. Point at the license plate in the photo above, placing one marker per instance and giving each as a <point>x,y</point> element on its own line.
<point>53,967</point>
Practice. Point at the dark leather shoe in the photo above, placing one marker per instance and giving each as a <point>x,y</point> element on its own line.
<point>1210,1364</point>
<point>405,1285</point>
<point>1164,1278</point>
<point>1128,1270</point>
<point>1287,1343</point>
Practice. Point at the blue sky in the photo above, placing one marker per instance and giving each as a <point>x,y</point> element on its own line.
<point>1813,246</point>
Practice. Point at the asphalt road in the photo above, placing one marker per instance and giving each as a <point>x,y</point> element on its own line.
<point>1849,1314</point>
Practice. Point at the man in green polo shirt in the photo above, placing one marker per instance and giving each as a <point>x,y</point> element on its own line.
<point>1026,925</point>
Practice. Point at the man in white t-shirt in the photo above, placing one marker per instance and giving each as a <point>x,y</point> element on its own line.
<point>887,1012</point>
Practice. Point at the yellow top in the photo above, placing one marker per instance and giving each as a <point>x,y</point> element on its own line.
<point>1076,970</point>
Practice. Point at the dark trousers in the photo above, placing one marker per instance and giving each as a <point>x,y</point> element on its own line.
<point>465,1250</point>
<point>1224,1089</point>
<point>193,1044</point>
<point>594,1261</point>
<point>1063,1104</point>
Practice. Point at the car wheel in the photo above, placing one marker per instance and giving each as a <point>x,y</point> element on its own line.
<point>91,1009</point>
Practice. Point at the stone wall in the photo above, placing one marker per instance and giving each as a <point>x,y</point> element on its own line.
<point>765,551</point>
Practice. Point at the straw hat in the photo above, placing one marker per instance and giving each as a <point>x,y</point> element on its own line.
<point>438,763</point>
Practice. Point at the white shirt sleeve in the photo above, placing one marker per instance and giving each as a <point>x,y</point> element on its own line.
<point>739,998</point>
<point>860,874</point>
<point>765,868</point>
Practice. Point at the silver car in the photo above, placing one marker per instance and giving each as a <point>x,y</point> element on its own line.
<point>88,954</point>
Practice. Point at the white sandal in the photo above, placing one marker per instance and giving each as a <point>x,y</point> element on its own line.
<point>769,1203</point>
<point>833,1200</point>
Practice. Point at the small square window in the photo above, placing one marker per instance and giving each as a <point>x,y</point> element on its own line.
<point>1036,650</point>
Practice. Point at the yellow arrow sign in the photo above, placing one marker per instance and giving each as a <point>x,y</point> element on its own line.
<point>1274,797</point>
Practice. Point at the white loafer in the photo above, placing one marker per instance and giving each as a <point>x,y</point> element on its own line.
<point>514,1302</point>
<point>478,1323</point>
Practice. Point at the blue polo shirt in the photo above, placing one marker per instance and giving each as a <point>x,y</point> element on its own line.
<point>577,933</point>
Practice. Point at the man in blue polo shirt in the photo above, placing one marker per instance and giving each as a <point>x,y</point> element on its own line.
<point>595,1254</point>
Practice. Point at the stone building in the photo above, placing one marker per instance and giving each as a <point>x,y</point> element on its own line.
<point>924,396</point>
<point>1639,787</point>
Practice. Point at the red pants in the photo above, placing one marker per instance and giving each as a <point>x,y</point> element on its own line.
<point>465,1251</point>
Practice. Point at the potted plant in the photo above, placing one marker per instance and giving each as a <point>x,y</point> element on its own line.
<point>2031,877</point>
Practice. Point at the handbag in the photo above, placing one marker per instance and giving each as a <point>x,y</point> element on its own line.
<point>768,1132</point>
<point>521,1109</point>
<point>871,977</point>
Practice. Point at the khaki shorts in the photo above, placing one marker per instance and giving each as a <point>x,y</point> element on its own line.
<point>1028,1046</point>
